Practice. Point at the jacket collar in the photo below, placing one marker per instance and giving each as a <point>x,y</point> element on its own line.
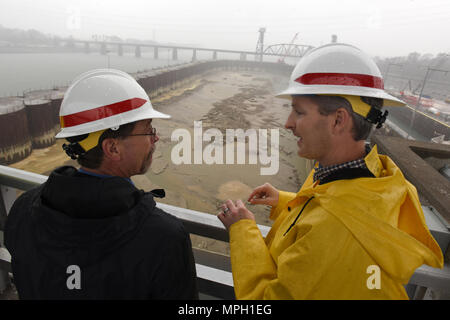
<point>85,196</point>
<point>368,167</point>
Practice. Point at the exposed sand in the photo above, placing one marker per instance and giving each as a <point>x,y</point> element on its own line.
<point>227,100</point>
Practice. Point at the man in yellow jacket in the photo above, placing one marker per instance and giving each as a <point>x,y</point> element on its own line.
<point>356,229</point>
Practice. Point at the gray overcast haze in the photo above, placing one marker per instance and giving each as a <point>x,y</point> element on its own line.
<point>383,28</point>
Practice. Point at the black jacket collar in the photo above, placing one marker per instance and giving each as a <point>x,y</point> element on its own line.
<point>88,197</point>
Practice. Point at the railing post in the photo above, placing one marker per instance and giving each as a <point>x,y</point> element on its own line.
<point>7,197</point>
<point>3,212</point>
<point>419,293</point>
<point>4,281</point>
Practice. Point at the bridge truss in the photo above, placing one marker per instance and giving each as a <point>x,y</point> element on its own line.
<point>287,50</point>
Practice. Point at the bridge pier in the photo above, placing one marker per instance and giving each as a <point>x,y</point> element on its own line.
<point>194,55</point>
<point>215,55</point>
<point>137,52</point>
<point>175,54</point>
<point>70,44</point>
<point>155,53</point>
<point>120,50</point>
<point>103,48</point>
<point>243,56</point>
<point>86,47</point>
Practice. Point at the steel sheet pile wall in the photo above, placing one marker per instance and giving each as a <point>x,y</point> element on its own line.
<point>35,125</point>
<point>41,118</point>
<point>40,122</point>
<point>56,98</point>
<point>15,140</point>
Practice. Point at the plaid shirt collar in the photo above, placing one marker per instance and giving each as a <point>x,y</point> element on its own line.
<point>321,172</point>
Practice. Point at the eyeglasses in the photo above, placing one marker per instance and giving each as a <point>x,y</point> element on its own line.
<point>153,133</point>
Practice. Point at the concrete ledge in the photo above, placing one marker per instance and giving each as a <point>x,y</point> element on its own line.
<point>417,161</point>
<point>437,279</point>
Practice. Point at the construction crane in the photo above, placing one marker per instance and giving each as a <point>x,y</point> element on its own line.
<point>288,49</point>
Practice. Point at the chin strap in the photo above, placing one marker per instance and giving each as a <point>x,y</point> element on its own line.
<point>377,117</point>
<point>73,150</point>
<point>76,149</point>
<point>371,114</point>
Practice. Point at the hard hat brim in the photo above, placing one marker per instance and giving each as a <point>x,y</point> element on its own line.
<point>388,100</point>
<point>120,119</point>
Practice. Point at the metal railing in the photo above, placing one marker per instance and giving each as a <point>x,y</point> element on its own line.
<point>213,269</point>
<point>215,280</point>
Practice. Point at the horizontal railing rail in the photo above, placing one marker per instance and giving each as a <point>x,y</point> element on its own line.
<point>213,269</point>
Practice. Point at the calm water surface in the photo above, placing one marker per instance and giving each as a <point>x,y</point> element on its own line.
<point>25,71</point>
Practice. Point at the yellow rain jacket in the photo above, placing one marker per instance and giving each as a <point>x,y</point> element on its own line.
<point>345,229</point>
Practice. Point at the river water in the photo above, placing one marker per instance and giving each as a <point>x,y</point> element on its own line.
<point>20,72</point>
<point>24,71</point>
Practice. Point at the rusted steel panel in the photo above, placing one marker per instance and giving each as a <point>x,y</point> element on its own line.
<point>41,122</point>
<point>15,140</point>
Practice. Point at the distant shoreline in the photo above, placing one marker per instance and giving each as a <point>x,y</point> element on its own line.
<point>14,49</point>
<point>52,49</point>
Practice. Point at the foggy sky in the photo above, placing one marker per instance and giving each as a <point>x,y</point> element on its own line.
<point>381,28</point>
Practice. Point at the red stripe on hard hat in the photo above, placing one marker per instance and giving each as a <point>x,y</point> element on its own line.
<point>101,112</point>
<point>341,79</point>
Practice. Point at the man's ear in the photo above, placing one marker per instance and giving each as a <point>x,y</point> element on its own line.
<point>342,120</point>
<point>111,149</point>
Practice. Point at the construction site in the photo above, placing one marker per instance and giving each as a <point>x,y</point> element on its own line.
<point>226,94</point>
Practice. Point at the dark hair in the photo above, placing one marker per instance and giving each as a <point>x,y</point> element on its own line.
<point>94,157</point>
<point>361,127</point>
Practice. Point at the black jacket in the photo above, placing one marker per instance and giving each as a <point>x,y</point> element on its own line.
<point>82,237</point>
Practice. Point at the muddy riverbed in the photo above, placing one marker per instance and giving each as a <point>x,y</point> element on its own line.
<point>220,100</point>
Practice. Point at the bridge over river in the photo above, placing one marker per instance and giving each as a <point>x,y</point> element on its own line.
<point>281,50</point>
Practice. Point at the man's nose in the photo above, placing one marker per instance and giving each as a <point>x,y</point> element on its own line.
<point>289,122</point>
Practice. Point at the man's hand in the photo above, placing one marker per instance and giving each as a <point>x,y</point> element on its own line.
<point>265,194</point>
<point>232,213</point>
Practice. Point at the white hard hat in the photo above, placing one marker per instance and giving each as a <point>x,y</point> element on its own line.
<point>101,99</point>
<point>338,69</point>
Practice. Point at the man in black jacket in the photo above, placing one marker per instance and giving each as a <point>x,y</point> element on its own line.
<point>90,233</point>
